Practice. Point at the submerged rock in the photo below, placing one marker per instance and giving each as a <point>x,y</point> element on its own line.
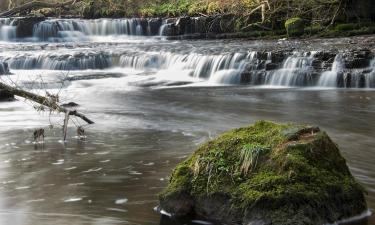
<point>265,174</point>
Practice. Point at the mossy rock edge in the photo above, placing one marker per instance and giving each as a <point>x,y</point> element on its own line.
<point>295,27</point>
<point>267,174</point>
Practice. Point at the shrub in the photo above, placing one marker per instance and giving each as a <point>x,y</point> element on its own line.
<point>295,27</point>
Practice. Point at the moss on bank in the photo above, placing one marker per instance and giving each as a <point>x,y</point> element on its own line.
<point>295,26</point>
<point>282,173</point>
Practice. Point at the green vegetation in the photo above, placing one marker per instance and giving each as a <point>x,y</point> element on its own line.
<point>270,169</point>
<point>295,27</point>
<point>251,18</point>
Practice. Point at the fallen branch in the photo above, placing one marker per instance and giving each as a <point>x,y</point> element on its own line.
<point>48,102</point>
<point>34,5</point>
<point>204,15</point>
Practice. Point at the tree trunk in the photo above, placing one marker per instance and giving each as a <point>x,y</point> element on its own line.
<point>48,102</point>
<point>36,5</point>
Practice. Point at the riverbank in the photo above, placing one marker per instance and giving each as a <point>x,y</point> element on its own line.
<point>176,28</point>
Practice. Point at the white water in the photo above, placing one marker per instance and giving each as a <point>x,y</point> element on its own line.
<point>366,80</point>
<point>294,72</point>
<point>163,28</point>
<point>78,30</point>
<point>7,30</point>
<point>329,78</point>
<point>60,61</point>
<point>213,69</point>
<point>224,69</point>
<point>86,46</point>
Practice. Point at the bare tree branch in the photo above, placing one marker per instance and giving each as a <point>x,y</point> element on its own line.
<point>48,102</point>
<point>36,5</point>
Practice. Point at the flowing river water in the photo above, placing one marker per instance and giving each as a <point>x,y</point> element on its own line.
<point>153,102</point>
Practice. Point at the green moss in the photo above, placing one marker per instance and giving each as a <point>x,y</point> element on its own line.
<point>346,27</point>
<point>347,30</point>
<point>295,27</point>
<point>272,167</point>
<point>180,180</point>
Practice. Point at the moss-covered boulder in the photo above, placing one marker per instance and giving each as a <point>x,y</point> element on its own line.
<point>295,27</point>
<point>265,174</point>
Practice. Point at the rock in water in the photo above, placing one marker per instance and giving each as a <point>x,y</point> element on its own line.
<point>265,174</point>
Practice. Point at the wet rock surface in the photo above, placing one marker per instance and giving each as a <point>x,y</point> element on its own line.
<point>265,174</point>
<point>4,68</point>
<point>25,26</point>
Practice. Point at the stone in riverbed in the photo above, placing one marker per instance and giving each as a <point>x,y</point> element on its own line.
<point>4,68</point>
<point>265,174</point>
<point>25,26</point>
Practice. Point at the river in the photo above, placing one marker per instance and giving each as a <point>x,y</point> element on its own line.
<point>154,101</point>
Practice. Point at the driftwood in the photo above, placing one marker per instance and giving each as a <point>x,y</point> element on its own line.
<point>34,5</point>
<point>45,101</point>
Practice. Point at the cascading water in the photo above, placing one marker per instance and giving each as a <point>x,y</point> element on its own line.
<point>329,78</point>
<point>51,61</point>
<point>175,61</point>
<point>296,71</point>
<point>370,77</point>
<point>4,69</point>
<point>361,78</point>
<point>76,29</point>
<point>215,68</point>
<point>164,28</point>
<point>7,29</point>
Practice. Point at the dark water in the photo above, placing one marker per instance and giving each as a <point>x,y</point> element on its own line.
<point>113,177</point>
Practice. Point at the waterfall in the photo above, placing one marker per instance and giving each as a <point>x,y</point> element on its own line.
<point>77,29</point>
<point>329,78</point>
<point>361,78</point>
<point>252,68</point>
<point>7,29</point>
<point>163,30</point>
<point>296,71</point>
<point>215,68</point>
<point>52,61</point>
<point>370,77</point>
<point>4,69</point>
